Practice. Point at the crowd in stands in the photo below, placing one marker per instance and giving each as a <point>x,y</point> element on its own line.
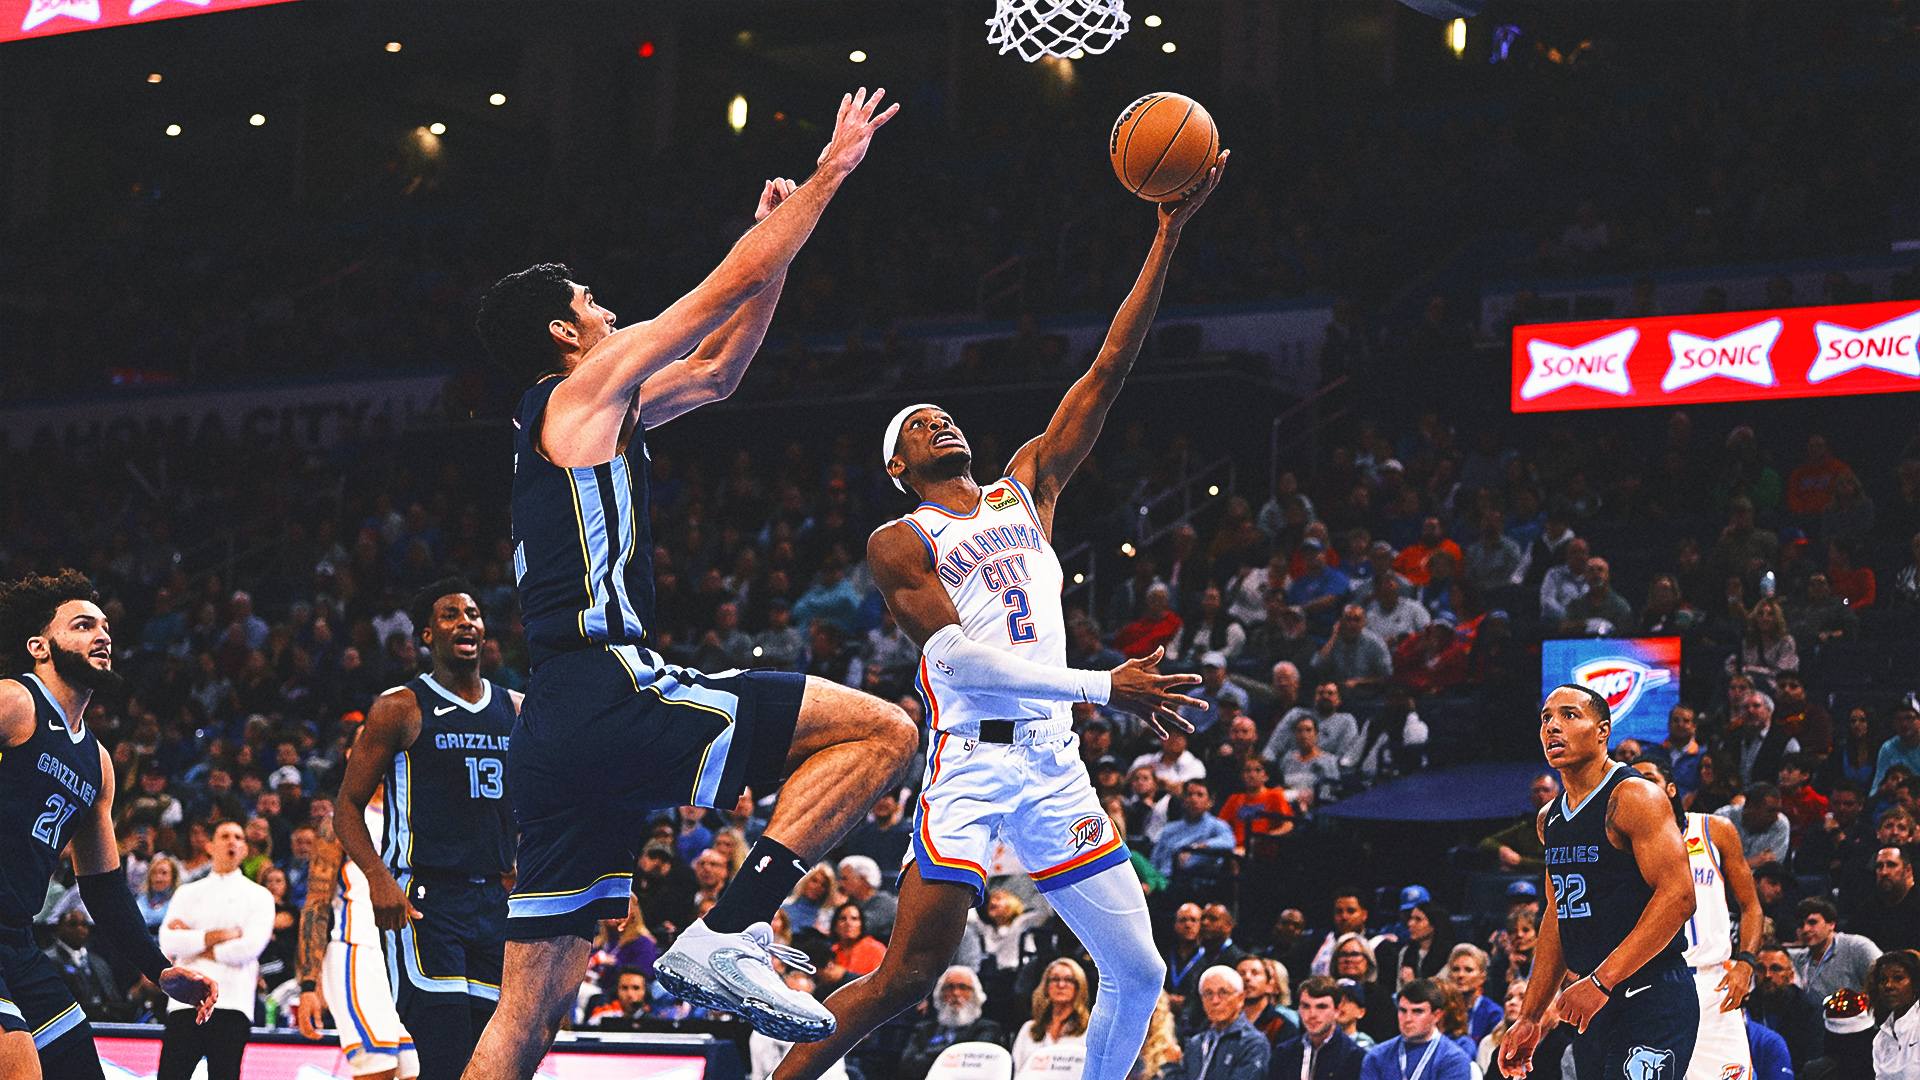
<point>1375,620</point>
<point>1669,164</point>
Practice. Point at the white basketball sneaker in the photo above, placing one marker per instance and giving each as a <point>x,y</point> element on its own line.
<point>734,973</point>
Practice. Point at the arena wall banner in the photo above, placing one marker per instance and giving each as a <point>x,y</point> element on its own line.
<point>43,18</point>
<point>1730,356</point>
<point>1639,677</point>
<point>310,413</point>
<point>128,1053</point>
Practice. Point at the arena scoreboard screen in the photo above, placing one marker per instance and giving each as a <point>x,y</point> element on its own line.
<point>1727,356</point>
<point>21,19</point>
<point>1639,677</point>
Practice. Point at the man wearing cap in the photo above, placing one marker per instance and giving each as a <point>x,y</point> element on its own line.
<point>1776,1003</point>
<point>1320,589</point>
<point>1904,747</point>
<point>1213,689</point>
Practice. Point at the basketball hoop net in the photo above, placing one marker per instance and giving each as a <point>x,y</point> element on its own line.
<point>1068,29</point>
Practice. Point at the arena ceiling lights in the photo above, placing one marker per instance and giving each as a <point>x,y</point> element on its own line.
<point>1729,356</point>
<point>21,19</point>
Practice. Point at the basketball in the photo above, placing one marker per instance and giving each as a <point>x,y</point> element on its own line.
<point>1162,146</point>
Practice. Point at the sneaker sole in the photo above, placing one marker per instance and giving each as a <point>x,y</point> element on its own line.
<point>767,1017</point>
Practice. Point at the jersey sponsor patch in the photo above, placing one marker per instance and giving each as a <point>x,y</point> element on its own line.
<point>1696,845</point>
<point>1001,498</point>
<point>1087,831</point>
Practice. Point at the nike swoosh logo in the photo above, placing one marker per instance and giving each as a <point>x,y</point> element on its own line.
<point>935,533</point>
<point>444,710</point>
<point>1637,989</point>
<point>1551,818</point>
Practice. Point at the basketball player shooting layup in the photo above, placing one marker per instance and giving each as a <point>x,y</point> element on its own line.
<point>1721,976</point>
<point>1618,895</point>
<point>56,788</point>
<point>610,732</point>
<point>972,576</point>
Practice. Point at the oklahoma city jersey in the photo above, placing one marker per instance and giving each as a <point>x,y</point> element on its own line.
<point>1005,581</point>
<point>1709,933</point>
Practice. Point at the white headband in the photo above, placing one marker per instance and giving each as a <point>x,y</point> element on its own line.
<point>890,439</point>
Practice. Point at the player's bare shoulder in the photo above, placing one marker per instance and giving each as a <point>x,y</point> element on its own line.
<point>1635,810</point>
<point>394,718</point>
<point>16,713</point>
<point>896,548</point>
<point>1543,816</point>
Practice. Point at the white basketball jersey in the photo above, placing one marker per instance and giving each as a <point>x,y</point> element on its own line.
<point>1710,931</point>
<point>1005,581</point>
<point>352,902</point>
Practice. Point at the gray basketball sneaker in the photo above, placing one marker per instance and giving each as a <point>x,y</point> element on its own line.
<point>734,973</point>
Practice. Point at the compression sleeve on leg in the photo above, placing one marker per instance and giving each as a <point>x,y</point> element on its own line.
<point>110,902</point>
<point>1108,913</point>
<point>971,667</point>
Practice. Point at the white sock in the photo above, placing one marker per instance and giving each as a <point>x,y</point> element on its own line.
<point>1108,913</point>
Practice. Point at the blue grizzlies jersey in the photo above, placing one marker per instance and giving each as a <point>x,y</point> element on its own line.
<point>1597,888</point>
<point>447,807</point>
<point>47,786</point>
<point>583,544</point>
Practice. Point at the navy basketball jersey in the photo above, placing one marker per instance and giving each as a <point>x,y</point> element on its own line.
<point>583,544</point>
<point>1597,888</point>
<point>47,785</point>
<point>447,806</point>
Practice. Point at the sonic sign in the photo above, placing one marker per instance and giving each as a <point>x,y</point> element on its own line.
<point>1639,677</point>
<point>1731,356</point>
<point>42,18</point>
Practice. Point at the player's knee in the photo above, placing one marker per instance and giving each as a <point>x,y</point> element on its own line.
<point>895,734</point>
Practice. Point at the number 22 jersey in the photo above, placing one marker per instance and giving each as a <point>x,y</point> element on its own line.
<point>1598,891</point>
<point>1005,582</point>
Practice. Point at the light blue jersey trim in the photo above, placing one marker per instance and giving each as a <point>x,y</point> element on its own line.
<point>624,531</point>
<point>593,534</point>
<point>44,1036</point>
<point>540,906</point>
<point>10,1009</point>
<point>66,722</point>
<point>1569,810</point>
<point>486,694</point>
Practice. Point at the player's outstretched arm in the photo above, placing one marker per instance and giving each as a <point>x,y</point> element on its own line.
<point>616,367</point>
<point>1739,980</point>
<point>714,370</point>
<point>392,725</point>
<point>316,926</point>
<point>103,885</point>
<point>903,570</point>
<point>1046,463</point>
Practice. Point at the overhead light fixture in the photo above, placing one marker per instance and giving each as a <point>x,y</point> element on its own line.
<point>1151,20</point>
<point>437,128</point>
<point>256,119</point>
<point>154,78</point>
<point>1168,46</point>
<point>497,99</point>
<point>1457,36</point>
<point>857,56</point>
<point>1126,549</point>
<point>393,46</point>
<point>173,129</point>
<point>737,112</point>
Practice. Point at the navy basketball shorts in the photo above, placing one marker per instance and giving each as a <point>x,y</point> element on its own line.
<point>457,945</point>
<point>608,736</point>
<point>34,1000</point>
<point>1645,1031</point>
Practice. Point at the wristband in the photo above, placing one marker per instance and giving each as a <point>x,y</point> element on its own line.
<point>1746,958</point>
<point>1595,980</point>
<point>307,986</point>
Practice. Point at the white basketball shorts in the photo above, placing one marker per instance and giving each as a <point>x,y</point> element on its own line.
<point>371,1034</point>
<point>1720,1052</point>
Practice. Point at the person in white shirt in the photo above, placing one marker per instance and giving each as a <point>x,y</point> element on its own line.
<point>1393,617</point>
<point>1174,764</point>
<point>218,927</point>
<point>1895,983</point>
<point>1059,1024</point>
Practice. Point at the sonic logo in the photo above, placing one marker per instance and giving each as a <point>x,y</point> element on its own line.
<point>1001,498</point>
<point>1087,831</point>
<point>1620,680</point>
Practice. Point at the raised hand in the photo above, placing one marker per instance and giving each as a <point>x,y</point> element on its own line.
<point>772,195</point>
<point>853,129</point>
<point>1173,215</point>
<point>1139,689</point>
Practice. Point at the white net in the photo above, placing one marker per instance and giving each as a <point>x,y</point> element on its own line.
<point>1068,29</point>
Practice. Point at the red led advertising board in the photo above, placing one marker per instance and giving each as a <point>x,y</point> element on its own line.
<point>1731,356</point>
<point>42,18</point>
<point>139,1059</point>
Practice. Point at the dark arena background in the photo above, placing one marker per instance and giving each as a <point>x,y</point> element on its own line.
<point>242,247</point>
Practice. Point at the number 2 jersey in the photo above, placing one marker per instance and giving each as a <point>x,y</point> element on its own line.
<point>1597,888</point>
<point>1005,582</point>
<point>47,786</point>
<point>447,808</point>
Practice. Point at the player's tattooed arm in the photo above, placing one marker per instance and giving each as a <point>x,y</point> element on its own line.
<point>1046,463</point>
<point>316,917</point>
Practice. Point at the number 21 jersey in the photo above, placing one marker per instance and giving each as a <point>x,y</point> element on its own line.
<point>47,785</point>
<point>1005,581</point>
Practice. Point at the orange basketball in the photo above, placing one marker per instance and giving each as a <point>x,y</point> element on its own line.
<point>1163,145</point>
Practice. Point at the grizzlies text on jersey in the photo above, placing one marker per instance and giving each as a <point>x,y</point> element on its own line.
<point>46,786</point>
<point>447,806</point>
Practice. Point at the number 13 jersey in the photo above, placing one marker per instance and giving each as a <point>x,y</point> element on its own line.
<point>1005,581</point>
<point>447,807</point>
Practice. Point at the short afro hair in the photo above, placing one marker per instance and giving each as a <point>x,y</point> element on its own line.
<point>27,608</point>
<point>421,609</point>
<point>514,316</point>
<point>1602,712</point>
